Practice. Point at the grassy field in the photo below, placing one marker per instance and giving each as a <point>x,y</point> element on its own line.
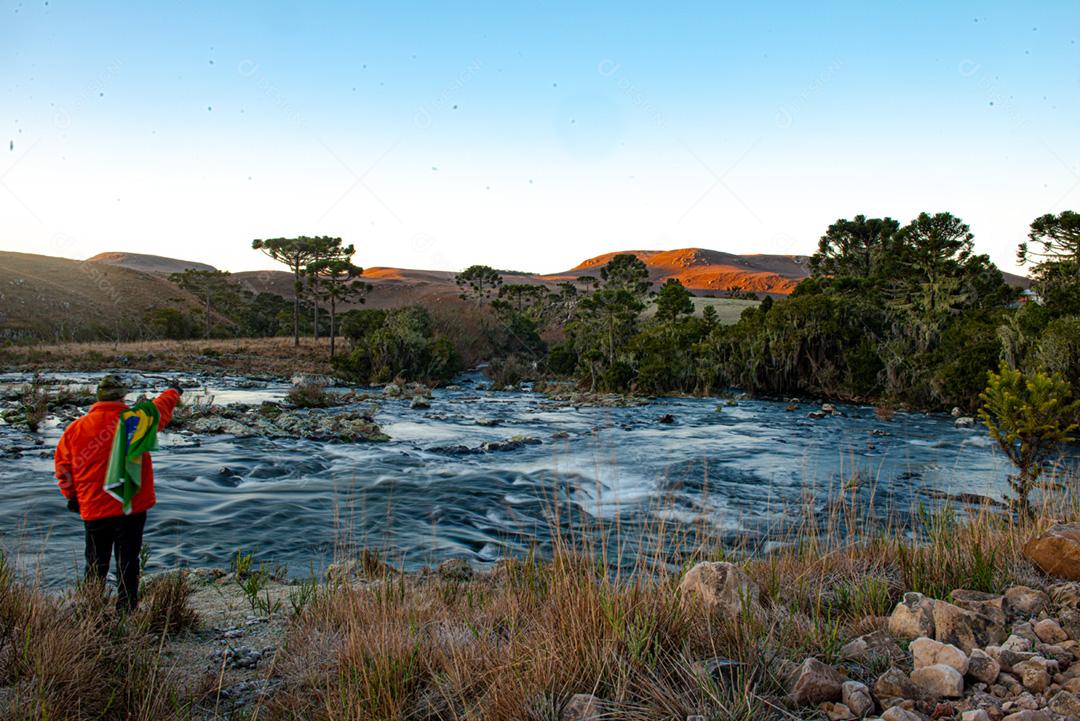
<point>256,356</point>
<point>728,310</point>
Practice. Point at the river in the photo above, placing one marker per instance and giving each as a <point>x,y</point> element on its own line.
<point>728,471</point>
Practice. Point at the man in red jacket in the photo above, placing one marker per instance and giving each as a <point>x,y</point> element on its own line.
<point>82,459</point>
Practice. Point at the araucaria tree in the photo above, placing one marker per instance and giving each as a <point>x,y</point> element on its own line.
<point>338,282</point>
<point>607,319</point>
<point>673,301</point>
<point>478,282</point>
<point>854,248</point>
<point>1053,247</point>
<point>297,254</point>
<point>1029,416</point>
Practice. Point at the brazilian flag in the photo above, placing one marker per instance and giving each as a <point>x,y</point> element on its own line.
<point>136,434</point>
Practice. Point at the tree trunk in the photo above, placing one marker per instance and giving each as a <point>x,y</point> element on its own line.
<point>332,315</point>
<point>296,305</point>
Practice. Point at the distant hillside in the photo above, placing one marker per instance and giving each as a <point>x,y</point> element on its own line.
<point>710,270</point>
<point>703,271</point>
<point>59,299</point>
<point>149,263</point>
<point>391,287</point>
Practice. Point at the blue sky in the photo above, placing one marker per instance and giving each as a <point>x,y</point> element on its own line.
<point>527,135</point>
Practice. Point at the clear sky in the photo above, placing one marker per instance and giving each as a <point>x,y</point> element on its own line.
<point>527,135</point>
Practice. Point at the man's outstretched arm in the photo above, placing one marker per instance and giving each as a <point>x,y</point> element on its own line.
<point>166,403</point>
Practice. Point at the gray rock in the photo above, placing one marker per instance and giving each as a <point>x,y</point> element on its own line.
<point>1049,631</point>
<point>1028,715</point>
<point>983,668</point>
<point>856,696</point>
<point>1008,658</point>
<point>816,683</point>
<point>582,707</point>
<point>872,647</point>
<point>900,714</point>
<point>1024,601</point>
<point>1034,673</point>
<point>913,617</point>
<point>1066,704</point>
<point>928,652</point>
<point>964,629</point>
<point>721,588</point>
<point>939,681</point>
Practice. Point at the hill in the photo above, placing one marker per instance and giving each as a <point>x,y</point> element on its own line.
<point>59,299</point>
<point>702,271</point>
<point>710,270</point>
<point>149,263</point>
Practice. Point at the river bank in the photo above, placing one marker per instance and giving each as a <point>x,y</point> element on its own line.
<point>818,629</point>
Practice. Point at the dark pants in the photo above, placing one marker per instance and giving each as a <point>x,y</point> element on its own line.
<point>120,536</point>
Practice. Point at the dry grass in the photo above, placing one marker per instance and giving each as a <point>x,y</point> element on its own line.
<point>256,356</point>
<point>72,658</point>
<point>518,642</point>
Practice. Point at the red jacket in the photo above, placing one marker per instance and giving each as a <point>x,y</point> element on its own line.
<point>82,458</point>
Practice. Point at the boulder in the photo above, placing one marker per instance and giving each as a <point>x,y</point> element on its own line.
<point>1034,673</point>
<point>1006,657</point>
<point>581,707</point>
<point>419,403</point>
<point>1049,631</point>
<point>928,652</point>
<point>836,712</point>
<point>983,668</point>
<point>1066,704</point>
<point>988,604</point>
<point>1065,595</point>
<point>895,684</point>
<point>816,683</point>
<point>1028,715</point>
<point>720,587</point>
<point>964,629</point>
<point>856,696</point>
<point>977,714</point>
<point>1024,601</point>
<point>1018,642</point>
<point>872,647</point>
<point>1057,551</point>
<point>901,714</point>
<point>964,422</point>
<point>939,681</point>
<point>913,617</point>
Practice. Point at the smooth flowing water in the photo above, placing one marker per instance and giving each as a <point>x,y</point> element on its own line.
<point>730,470</point>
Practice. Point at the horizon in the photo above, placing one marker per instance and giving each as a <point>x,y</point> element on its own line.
<point>436,137</point>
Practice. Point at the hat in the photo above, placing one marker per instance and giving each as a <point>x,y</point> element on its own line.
<point>112,388</point>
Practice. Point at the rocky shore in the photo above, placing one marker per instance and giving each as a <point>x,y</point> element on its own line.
<point>975,656</point>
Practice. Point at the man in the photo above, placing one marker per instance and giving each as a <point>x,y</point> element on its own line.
<point>104,470</point>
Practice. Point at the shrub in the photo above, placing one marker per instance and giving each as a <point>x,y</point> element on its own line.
<point>1029,416</point>
<point>310,395</point>
<point>163,606</point>
<point>402,342</point>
